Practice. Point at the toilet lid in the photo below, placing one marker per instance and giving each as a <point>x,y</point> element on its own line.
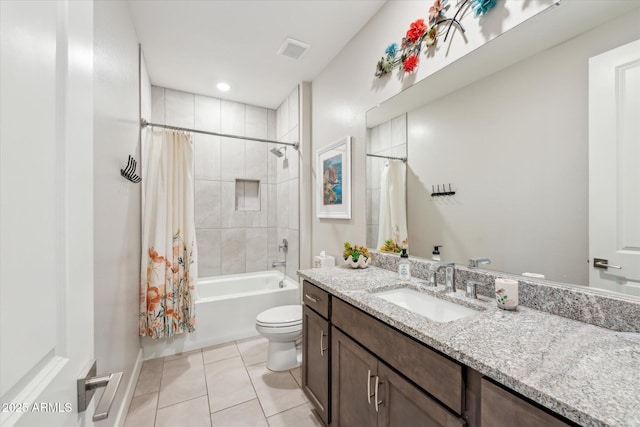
<point>286,315</point>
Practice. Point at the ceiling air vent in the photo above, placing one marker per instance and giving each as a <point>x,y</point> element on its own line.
<point>293,49</point>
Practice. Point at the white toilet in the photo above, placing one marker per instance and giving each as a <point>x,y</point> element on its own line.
<point>282,326</point>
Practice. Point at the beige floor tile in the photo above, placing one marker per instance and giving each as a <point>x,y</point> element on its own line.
<point>192,413</point>
<point>228,384</point>
<point>142,412</point>
<point>181,355</point>
<point>300,416</point>
<point>253,350</point>
<point>220,352</point>
<point>297,375</point>
<point>277,391</point>
<point>150,375</point>
<point>182,379</point>
<point>248,414</point>
<point>193,360</point>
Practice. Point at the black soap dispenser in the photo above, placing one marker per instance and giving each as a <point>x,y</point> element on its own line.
<point>435,255</point>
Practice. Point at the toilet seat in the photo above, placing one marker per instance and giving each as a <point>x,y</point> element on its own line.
<point>280,317</point>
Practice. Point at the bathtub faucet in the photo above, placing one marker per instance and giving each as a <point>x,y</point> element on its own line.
<point>276,264</point>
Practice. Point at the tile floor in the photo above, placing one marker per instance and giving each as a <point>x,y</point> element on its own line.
<point>224,385</point>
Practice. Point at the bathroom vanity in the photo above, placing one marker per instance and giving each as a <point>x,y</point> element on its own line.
<point>368,361</point>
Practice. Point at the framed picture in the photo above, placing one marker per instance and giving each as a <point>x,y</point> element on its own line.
<point>333,166</point>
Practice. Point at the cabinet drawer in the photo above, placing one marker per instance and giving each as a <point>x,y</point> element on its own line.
<point>434,373</point>
<point>501,408</point>
<point>315,298</point>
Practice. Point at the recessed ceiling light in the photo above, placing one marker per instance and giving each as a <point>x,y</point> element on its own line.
<point>223,87</point>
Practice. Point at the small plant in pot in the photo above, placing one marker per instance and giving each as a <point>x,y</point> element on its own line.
<point>356,256</point>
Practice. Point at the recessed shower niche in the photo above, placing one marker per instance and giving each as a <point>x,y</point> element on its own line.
<point>247,195</point>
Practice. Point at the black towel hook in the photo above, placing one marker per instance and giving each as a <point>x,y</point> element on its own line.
<point>129,171</point>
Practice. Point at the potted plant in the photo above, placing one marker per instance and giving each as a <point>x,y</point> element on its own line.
<point>356,256</point>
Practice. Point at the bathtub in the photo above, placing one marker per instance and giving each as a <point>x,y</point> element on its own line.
<point>226,310</point>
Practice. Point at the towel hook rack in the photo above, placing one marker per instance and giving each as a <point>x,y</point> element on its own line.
<point>129,172</point>
<point>444,191</point>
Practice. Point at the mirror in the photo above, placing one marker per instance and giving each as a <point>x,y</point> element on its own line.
<point>514,147</point>
<point>386,144</point>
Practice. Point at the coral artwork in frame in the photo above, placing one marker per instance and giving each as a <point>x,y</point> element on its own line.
<point>333,166</point>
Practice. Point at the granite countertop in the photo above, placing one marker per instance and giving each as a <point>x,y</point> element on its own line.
<point>588,374</point>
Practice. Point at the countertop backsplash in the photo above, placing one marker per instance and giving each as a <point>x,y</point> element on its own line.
<point>615,312</point>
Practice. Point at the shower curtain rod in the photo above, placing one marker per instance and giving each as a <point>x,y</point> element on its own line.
<point>144,124</point>
<point>403,159</point>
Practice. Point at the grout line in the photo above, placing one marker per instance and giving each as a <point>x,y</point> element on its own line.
<point>254,386</point>
<point>286,410</point>
<point>225,358</point>
<point>236,404</point>
<point>206,385</point>
<point>185,400</point>
<point>155,415</point>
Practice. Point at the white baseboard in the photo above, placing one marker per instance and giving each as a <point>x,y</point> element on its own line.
<point>131,388</point>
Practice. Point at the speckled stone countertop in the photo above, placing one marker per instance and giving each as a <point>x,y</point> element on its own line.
<point>586,373</point>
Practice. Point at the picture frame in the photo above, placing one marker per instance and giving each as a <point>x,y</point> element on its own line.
<point>333,182</point>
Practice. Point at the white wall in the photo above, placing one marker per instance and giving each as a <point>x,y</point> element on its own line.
<point>117,201</point>
<point>231,240</point>
<point>514,146</point>
<point>346,89</point>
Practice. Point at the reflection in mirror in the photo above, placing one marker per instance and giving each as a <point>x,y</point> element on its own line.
<point>514,146</point>
<point>386,184</point>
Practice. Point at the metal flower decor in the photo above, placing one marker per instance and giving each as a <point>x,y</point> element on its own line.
<point>420,33</point>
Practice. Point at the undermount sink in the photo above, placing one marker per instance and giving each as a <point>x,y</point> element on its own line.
<point>434,308</point>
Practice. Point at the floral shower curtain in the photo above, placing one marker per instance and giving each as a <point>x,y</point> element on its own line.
<point>169,252</point>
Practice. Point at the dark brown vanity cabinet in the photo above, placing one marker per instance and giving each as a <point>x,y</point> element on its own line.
<point>366,392</point>
<point>359,371</point>
<point>315,349</point>
<point>501,408</point>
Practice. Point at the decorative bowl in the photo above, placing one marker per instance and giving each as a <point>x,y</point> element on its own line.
<point>363,262</point>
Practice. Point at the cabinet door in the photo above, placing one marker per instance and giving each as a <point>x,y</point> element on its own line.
<point>315,361</point>
<point>500,408</point>
<point>401,404</point>
<point>353,372</point>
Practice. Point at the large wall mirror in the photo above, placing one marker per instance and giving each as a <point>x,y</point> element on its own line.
<point>544,159</point>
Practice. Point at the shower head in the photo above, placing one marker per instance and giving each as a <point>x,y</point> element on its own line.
<point>279,152</point>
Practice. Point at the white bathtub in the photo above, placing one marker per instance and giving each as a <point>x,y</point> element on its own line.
<point>226,310</point>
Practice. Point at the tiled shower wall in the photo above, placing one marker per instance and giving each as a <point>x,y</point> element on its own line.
<point>237,232</point>
<point>287,178</point>
<point>386,139</point>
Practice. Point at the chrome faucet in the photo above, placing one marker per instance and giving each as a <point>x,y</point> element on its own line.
<point>276,264</point>
<point>475,262</point>
<point>449,276</point>
<point>471,288</point>
<point>431,275</point>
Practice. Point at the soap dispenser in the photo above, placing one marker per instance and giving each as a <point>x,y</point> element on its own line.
<point>404,268</point>
<point>435,255</point>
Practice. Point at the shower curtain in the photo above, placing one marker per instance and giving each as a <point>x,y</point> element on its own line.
<point>392,220</point>
<point>169,252</point>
